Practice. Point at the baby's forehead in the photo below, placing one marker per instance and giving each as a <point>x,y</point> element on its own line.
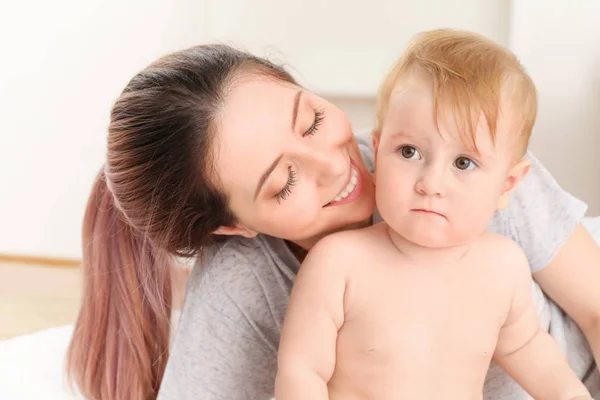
<point>413,117</point>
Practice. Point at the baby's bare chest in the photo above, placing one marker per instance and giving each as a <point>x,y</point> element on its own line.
<point>414,312</point>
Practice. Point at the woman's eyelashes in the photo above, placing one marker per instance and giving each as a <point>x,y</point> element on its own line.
<point>317,121</point>
<point>287,189</point>
<point>284,193</point>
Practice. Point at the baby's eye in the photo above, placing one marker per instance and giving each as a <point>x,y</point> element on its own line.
<point>410,153</point>
<point>464,164</point>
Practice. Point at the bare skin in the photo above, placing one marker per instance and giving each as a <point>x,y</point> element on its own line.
<point>393,325</point>
<point>427,295</point>
<point>321,161</point>
<point>384,357</point>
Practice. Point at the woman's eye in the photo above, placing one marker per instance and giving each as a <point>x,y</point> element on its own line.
<point>319,117</point>
<point>287,189</point>
<point>410,153</point>
<point>464,164</point>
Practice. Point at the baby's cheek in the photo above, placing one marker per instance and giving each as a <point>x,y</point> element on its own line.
<point>392,204</point>
<point>390,185</point>
<point>473,220</point>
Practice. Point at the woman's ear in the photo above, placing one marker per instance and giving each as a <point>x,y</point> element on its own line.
<point>235,231</point>
<point>515,175</point>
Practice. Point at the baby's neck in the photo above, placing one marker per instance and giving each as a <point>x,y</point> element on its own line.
<point>427,255</point>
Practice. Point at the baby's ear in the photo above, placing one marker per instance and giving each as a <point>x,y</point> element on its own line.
<point>375,136</point>
<point>515,175</point>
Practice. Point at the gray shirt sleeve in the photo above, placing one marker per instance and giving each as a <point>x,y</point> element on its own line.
<point>541,216</point>
<point>226,341</point>
<point>365,145</point>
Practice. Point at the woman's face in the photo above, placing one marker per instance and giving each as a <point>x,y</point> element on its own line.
<point>289,162</point>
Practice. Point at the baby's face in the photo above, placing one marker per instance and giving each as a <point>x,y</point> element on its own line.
<point>431,188</point>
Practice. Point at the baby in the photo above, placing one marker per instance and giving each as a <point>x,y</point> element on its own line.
<point>416,307</point>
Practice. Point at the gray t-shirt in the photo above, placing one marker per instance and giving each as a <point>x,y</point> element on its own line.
<point>228,333</point>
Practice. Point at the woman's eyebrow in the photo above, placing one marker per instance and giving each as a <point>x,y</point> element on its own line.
<point>265,175</point>
<point>295,108</point>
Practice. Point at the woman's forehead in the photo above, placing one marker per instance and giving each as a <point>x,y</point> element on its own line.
<point>256,105</point>
<point>255,121</point>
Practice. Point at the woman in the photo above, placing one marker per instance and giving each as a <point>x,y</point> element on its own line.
<point>217,152</point>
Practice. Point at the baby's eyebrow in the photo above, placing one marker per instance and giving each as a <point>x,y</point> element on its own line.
<point>405,134</point>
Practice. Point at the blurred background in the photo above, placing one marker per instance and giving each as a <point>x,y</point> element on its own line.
<point>64,62</point>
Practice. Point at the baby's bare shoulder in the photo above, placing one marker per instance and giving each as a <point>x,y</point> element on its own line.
<point>495,240</point>
<point>352,245</point>
<point>502,252</point>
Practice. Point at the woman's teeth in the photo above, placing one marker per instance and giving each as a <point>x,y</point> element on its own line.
<point>349,188</point>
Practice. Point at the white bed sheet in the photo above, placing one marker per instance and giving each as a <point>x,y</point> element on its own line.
<point>32,366</point>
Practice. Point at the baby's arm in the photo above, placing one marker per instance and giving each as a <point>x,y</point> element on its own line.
<point>527,352</point>
<point>307,351</point>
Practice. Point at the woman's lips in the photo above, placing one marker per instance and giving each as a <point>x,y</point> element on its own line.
<point>352,189</point>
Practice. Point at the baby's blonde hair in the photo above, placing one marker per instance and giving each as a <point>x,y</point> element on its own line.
<point>470,74</point>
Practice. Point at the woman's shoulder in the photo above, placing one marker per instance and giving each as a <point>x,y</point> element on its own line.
<point>235,303</point>
<point>239,259</point>
<point>540,215</point>
<point>365,145</point>
<point>252,276</point>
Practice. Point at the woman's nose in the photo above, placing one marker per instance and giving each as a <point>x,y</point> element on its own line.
<point>325,166</point>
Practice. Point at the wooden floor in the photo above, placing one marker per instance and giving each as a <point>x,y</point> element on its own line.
<point>35,297</point>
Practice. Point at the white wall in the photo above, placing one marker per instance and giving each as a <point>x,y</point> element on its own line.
<point>343,47</point>
<point>64,62</point>
<point>559,43</point>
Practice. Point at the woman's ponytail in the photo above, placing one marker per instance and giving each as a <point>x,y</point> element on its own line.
<point>120,343</point>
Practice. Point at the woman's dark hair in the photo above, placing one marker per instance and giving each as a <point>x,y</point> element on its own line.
<point>154,198</point>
